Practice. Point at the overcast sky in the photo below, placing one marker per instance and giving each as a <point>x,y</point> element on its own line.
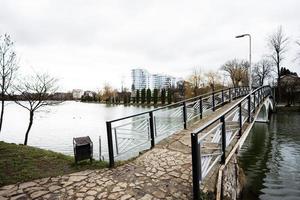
<point>86,43</point>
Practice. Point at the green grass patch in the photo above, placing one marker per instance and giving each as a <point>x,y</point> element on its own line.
<point>19,163</point>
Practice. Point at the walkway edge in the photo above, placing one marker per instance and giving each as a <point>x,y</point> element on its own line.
<point>237,146</point>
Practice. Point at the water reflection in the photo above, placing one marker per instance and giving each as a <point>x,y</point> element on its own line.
<point>270,158</point>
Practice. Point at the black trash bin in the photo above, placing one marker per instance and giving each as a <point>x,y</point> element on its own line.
<point>83,148</point>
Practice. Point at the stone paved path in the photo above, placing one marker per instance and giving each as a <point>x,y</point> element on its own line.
<point>161,173</point>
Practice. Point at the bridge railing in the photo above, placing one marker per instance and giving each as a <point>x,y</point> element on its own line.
<point>210,142</point>
<point>129,135</point>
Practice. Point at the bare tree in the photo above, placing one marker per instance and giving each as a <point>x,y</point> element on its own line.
<point>107,92</point>
<point>34,94</point>
<point>196,79</point>
<point>262,70</point>
<point>237,70</point>
<point>213,78</point>
<point>8,68</point>
<point>277,43</point>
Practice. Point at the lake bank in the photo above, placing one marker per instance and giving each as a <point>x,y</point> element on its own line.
<point>19,163</point>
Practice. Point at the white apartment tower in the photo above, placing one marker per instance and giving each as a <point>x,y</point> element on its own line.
<point>162,81</point>
<point>140,79</point>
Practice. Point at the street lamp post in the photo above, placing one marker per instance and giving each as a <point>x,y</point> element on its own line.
<point>249,72</point>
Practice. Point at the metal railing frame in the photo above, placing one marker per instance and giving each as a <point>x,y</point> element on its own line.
<point>261,92</point>
<point>237,91</point>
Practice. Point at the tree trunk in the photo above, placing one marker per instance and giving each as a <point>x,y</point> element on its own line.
<point>2,111</point>
<point>279,77</point>
<point>29,127</point>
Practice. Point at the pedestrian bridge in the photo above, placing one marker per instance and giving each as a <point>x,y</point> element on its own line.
<point>219,121</point>
<point>189,144</point>
<point>130,135</point>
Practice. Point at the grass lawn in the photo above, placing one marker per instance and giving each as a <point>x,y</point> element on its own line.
<point>19,163</point>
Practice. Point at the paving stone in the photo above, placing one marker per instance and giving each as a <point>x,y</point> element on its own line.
<point>19,197</point>
<point>89,198</point>
<point>125,197</point>
<point>80,194</point>
<point>147,197</point>
<point>27,185</point>
<point>38,194</point>
<point>159,194</point>
<point>76,178</point>
<point>117,189</point>
<point>114,196</point>
<point>102,195</point>
<point>91,192</point>
<point>53,188</point>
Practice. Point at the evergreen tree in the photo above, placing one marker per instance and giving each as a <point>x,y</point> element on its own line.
<point>137,96</point>
<point>155,96</point>
<point>163,96</point>
<point>148,96</point>
<point>143,96</point>
<point>169,96</point>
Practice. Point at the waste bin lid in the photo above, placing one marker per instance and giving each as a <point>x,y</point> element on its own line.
<point>82,140</point>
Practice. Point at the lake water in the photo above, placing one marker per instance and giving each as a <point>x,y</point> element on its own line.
<point>270,158</point>
<point>54,127</point>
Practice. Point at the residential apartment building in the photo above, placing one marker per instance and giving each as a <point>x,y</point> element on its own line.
<point>141,79</point>
<point>162,81</point>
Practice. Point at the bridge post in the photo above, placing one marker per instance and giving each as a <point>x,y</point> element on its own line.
<point>254,100</point>
<point>222,96</point>
<point>223,157</point>
<point>249,109</point>
<point>240,119</point>
<point>151,120</point>
<point>110,145</point>
<point>213,101</point>
<point>196,166</point>
<point>184,116</point>
<point>229,94</point>
<point>201,107</point>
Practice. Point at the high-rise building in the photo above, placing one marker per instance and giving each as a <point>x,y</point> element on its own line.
<point>162,81</point>
<point>140,79</point>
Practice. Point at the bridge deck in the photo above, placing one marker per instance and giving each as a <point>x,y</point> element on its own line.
<point>163,172</point>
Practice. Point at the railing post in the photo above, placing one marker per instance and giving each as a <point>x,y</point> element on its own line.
<point>196,166</point>
<point>184,116</point>
<point>222,96</point>
<point>213,101</point>
<point>110,145</point>
<point>240,119</point>
<point>259,92</point>
<point>229,94</point>
<point>151,129</point>
<point>201,107</point>
<point>249,108</point>
<point>223,157</point>
<point>254,101</point>
<point>235,92</point>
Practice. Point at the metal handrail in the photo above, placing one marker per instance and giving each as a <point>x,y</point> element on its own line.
<point>258,96</point>
<point>231,93</point>
<point>177,103</point>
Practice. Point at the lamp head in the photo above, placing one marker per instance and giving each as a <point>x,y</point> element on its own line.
<point>240,36</point>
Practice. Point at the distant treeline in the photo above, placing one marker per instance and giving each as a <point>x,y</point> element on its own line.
<point>150,97</point>
<point>61,96</point>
